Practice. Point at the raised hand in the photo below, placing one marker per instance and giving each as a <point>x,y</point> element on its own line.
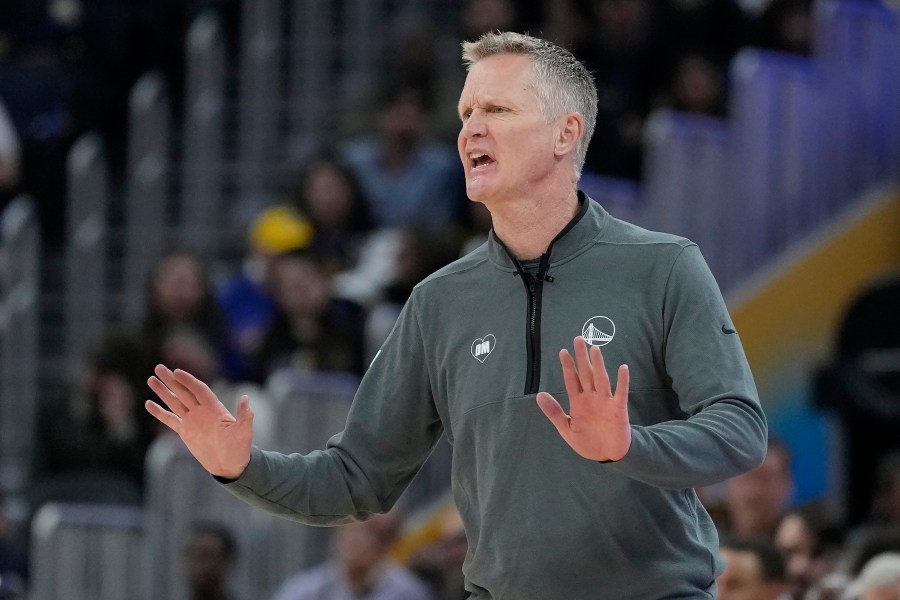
<point>597,426</point>
<point>218,440</point>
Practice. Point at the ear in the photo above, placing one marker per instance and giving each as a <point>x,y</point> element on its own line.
<point>570,132</point>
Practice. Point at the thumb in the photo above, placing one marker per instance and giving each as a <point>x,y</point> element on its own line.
<point>553,411</point>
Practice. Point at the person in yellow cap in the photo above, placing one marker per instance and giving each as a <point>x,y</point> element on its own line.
<point>246,298</point>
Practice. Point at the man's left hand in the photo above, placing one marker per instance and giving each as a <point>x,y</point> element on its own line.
<point>597,427</point>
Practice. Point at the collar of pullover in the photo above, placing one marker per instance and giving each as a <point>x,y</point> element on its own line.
<point>584,228</point>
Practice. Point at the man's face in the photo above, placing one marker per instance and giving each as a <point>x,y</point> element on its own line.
<point>505,145</point>
<point>743,578</point>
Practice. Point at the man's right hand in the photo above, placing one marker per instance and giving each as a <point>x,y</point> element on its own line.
<point>218,440</point>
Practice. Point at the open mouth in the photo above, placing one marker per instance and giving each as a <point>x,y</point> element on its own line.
<point>480,160</point>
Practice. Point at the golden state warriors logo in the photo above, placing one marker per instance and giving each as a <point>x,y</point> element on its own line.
<point>598,331</point>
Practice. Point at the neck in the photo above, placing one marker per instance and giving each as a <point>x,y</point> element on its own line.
<point>528,226</point>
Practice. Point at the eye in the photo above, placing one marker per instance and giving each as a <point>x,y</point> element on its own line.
<point>498,109</point>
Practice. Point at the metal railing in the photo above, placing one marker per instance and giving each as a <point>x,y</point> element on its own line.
<point>86,552</point>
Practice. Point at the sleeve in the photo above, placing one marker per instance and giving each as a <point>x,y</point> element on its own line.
<point>391,429</point>
<point>724,431</point>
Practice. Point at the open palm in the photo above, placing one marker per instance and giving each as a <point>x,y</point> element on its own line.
<point>218,440</point>
<point>597,427</point>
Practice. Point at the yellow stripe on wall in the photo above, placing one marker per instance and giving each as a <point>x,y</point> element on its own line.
<point>788,316</point>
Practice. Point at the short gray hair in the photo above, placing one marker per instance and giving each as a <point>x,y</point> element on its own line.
<point>561,82</point>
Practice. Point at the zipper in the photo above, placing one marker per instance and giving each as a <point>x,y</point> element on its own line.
<point>535,287</point>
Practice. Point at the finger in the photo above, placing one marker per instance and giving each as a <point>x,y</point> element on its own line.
<point>570,373</point>
<point>553,411</point>
<point>179,389</point>
<point>168,419</point>
<point>244,412</point>
<point>622,384</point>
<point>167,397</point>
<point>583,360</point>
<point>598,371</point>
<point>199,390</point>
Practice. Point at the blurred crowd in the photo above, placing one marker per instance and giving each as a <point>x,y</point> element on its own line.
<point>325,271</point>
<point>68,66</point>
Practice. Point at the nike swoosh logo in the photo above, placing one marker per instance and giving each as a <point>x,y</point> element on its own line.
<point>727,330</point>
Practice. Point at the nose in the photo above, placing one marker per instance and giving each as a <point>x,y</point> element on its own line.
<point>474,126</point>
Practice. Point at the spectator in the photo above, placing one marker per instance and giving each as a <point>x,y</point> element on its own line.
<point>311,331</point>
<point>361,568</point>
<point>756,500</point>
<point>422,251</point>
<point>440,562</point>
<point>697,86</point>
<point>91,445</point>
<point>180,293</point>
<point>407,178</point>
<point>246,298</point>
<point>329,195</point>
<point>754,570</point>
<point>210,554</point>
<point>810,539</point>
<point>624,54</point>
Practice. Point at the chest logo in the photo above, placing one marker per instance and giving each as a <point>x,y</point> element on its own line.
<point>598,331</point>
<point>482,347</point>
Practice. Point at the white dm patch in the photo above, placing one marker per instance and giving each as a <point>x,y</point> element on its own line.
<point>598,331</point>
<point>482,347</point>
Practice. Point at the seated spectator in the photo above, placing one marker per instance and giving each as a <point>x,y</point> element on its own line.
<point>421,252</point>
<point>91,445</point>
<point>624,53</point>
<point>756,500</point>
<point>697,86</point>
<point>311,331</point>
<point>246,298</point>
<point>180,293</point>
<point>210,553</point>
<point>754,570</point>
<point>810,539</point>
<point>407,178</point>
<point>361,568</point>
<point>440,562</point>
<point>329,195</point>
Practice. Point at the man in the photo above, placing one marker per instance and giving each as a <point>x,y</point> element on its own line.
<point>209,555</point>
<point>756,500</point>
<point>361,568</point>
<point>754,570</point>
<point>601,507</point>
